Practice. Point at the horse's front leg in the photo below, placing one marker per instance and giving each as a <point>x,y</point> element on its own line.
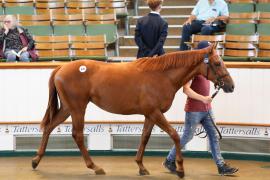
<point>158,118</point>
<point>147,129</point>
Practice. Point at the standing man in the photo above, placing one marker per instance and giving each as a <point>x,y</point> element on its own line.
<point>151,31</point>
<point>208,17</point>
<point>198,111</point>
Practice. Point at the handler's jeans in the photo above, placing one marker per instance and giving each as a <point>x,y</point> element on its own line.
<point>195,27</point>
<point>191,122</point>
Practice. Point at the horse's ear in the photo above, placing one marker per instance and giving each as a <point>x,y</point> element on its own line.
<point>213,46</point>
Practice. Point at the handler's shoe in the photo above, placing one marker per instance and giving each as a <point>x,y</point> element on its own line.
<point>225,169</point>
<point>171,166</point>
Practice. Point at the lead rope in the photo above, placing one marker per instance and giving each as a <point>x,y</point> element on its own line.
<point>211,119</point>
<point>214,124</point>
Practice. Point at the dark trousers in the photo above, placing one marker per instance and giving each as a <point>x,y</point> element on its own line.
<point>195,27</point>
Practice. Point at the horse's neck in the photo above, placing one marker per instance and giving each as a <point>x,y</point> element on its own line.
<point>180,76</point>
<point>183,74</point>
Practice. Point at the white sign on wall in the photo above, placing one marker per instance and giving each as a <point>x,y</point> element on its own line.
<point>134,129</point>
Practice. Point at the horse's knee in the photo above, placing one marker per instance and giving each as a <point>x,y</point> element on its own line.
<point>174,135</point>
<point>78,137</point>
<point>74,134</point>
<point>47,129</point>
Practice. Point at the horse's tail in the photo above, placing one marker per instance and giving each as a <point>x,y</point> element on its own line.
<point>52,107</point>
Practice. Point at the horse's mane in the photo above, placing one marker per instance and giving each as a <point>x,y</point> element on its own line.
<point>170,60</point>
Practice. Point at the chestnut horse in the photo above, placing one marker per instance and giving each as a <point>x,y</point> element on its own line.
<point>146,86</point>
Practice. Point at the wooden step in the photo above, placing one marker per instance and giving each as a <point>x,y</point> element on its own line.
<point>167,10</point>
<point>131,51</point>
<point>171,19</point>
<point>129,41</point>
<point>173,30</point>
<point>172,2</point>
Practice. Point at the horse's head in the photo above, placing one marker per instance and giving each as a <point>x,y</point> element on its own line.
<point>216,70</point>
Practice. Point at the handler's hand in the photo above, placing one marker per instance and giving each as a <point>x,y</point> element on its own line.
<point>207,99</point>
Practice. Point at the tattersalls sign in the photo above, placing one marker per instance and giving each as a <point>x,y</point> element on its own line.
<point>106,132</point>
<point>18,129</point>
<point>232,131</point>
<point>67,129</point>
<point>226,131</point>
<point>62,129</point>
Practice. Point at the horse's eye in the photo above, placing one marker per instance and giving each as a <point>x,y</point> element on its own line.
<point>217,64</point>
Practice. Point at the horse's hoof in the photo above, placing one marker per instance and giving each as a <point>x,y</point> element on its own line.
<point>100,172</point>
<point>34,164</point>
<point>180,174</point>
<point>144,172</point>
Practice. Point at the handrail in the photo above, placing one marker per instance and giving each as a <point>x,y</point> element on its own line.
<point>51,65</point>
<point>136,122</point>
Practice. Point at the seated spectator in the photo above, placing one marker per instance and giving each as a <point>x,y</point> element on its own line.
<point>207,17</point>
<point>15,41</point>
<point>151,31</point>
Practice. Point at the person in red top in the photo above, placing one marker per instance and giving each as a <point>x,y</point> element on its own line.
<point>198,111</point>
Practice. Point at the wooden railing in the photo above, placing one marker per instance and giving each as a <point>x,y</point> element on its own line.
<point>136,122</point>
<point>51,65</point>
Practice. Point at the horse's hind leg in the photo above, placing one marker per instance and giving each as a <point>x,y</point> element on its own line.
<point>60,117</point>
<point>77,133</point>
<point>147,129</point>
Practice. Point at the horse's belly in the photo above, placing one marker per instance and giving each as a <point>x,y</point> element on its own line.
<point>117,104</point>
<point>130,92</point>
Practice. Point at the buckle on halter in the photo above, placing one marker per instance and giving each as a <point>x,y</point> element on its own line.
<point>219,84</point>
<point>206,59</point>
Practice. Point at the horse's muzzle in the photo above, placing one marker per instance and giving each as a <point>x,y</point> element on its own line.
<point>228,88</point>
